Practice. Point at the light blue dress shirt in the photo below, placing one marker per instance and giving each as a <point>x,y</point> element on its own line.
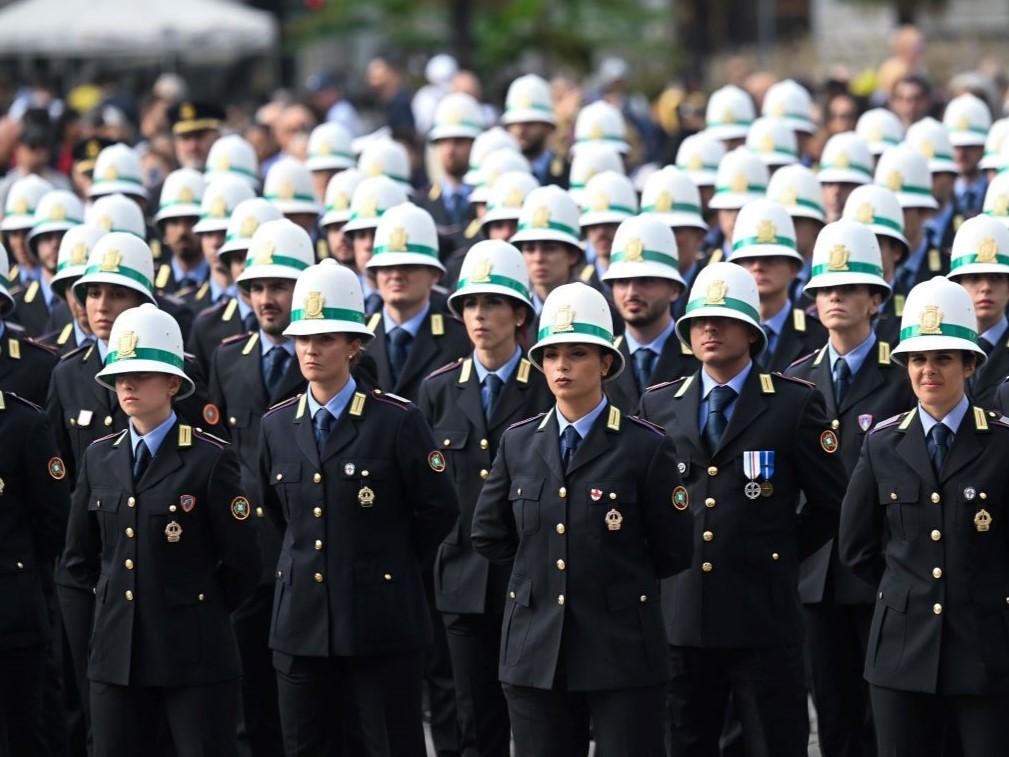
<point>153,438</point>
<point>708,383</point>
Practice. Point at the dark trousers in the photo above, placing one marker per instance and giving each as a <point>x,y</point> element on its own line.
<point>474,643</point>
<point>125,720</point>
<point>328,702</point>
<point>767,689</point>
<point>555,723</point>
<point>260,714</point>
<point>21,693</point>
<point>836,638</point>
<point>77,612</point>
<point>913,724</point>
<point>438,680</point>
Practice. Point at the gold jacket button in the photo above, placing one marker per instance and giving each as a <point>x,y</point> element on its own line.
<point>259,512</point>
<point>108,420</point>
<point>446,442</point>
<point>712,470</point>
<point>935,498</point>
<point>131,502</point>
<point>129,595</point>
<point>280,476</point>
<point>318,578</point>
<point>775,556</point>
<point>835,424</point>
<point>232,420</point>
<point>937,609</point>
<point>318,545</point>
<point>317,477</point>
<point>128,564</point>
<point>364,474</point>
<point>643,598</point>
<point>511,594</point>
<point>21,565</point>
<point>560,528</point>
<point>484,473</point>
<point>936,535</point>
<point>129,532</point>
<point>893,496</point>
<point>561,565</point>
<point>387,577</point>
<point>560,599</point>
<point>484,444</point>
<point>317,512</point>
<point>936,572</point>
<point>562,492</point>
<point>707,567</point>
<point>709,502</point>
<point>200,597</point>
<point>172,508</point>
<point>708,535</point>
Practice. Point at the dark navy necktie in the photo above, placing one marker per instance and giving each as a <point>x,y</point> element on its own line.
<point>570,439</point>
<point>644,364</point>
<point>938,447</point>
<point>714,426</point>
<point>322,424</point>
<point>489,393</point>
<point>399,348</point>
<point>842,380</point>
<point>141,459</point>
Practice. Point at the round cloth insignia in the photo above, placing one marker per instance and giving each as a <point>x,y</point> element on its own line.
<point>240,508</point>
<point>681,499</point>
<point>437,461</point>
<point>57,469</point>
<point>828,441</point>
<point>211,414</point>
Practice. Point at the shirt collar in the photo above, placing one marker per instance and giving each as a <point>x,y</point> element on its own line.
<point>541,163</point>
<point>736,382</point>
<point>777,321</point>
<point>952,420</point>
<point>79,334</point>
<point>584,424</point>
<point>103,348</point>
<point>154,437</point>
<point>217,291</point>
<point>656,345</point>
<point>47,291</point>
<point>199,273</point>
<point>412,325</point>
<point>266,345</point>
<point>995,333</point>
<point>244,308</point>
<point>337,402</point>
<point>856,357</point>
<point>504,372</point>
<point>28,275</point>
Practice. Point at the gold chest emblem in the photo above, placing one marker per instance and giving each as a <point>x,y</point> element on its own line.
<point>838,258</point>
<point>110,261</point>
<point>715,293</point>
<point>313,305</point>
<point>930,320</point>
<point>126,347</point>
<point>564,319</point>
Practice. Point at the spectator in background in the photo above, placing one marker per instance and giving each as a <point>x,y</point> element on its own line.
<point>290,130</point>
<point>438,72</point>
<point>260,136</point>
<point>385,79</point>
<point>911,98</point>
<point>327,97</point>
<point>907,45</point>
<point>468,83</point>
<point>33,154</point>
<point>840,113</point>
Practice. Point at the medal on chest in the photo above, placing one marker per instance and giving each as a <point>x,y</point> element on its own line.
<point>758,464</point>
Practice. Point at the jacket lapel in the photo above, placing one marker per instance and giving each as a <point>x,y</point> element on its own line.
<point>420,354</point>
<point>512,397</point>
<point>304,434</point>
<point>470,401</point>
<point>379,351</point>
<point>865,382</point>
<point>593,445</point>
<point>967,445</point>
<point>914,452</point>
<point>290,384</point>
<point>749,406</point>
<point>121,461</point>
<point>548,444</point>
<point>686,408</point>
<point>167,461</point>
<point>343,433</point>
<point>92,361</point>
<point>824,380</point>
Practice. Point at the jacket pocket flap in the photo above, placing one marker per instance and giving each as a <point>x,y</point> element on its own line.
<point>520,590</point>
<point>894,596</point>
<point>104,501</point>
<point>897,491</point>
<point>285,473</point>
<point>449,439</point>
<point>525,488</point>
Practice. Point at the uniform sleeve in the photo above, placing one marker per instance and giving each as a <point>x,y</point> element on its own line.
<point>669,530</point>
<point>821,476</point>
<point>58,427</point>
<point>234,536</point>
<point>215,390</point>
<point>191,408</point>
<point>425,403</point>
<point>435,507</point>
<point>49,496</point>
<point>1002,397</point>
<point>860,543</point>
<point>494,534</point>
<point>82,556</point>
<point>265,493</point>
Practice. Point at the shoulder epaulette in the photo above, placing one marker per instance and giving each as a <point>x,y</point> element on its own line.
<point>229,308</point>
<point>524,421</point>
<point>235,338</point>
<point>202,291</point>
<point>664,384</point>
<point>883,354</point>
<point>161,281</point>
<point>120,436</point>
<point>19,398</point>
<point>998,419</point>
<point>647,424</point>
<point>473,229</point>
<point>199,433</point>
<point>31,292</point>
<point>980,419</point>
<point>76,350</point>
<point>109,436</point>
<point>172,299</point>
<point>793,379</point>
<point>392,399</point>
<point>39,345</point>
<point>64,335</point>
<point>586,275</point>
<point>282,403</point>
<point>15,328</point>
<point>444,369</point>
<point>819,355</point>
<point>799,320</point>
<point>251,343</point>
<point>802,359</point>
<point>891,421</point>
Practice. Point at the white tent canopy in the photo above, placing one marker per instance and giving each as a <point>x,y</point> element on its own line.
<point>190,29</point>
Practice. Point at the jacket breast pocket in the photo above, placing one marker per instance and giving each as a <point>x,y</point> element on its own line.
<point>104,505</point>
<point>525,498</point>
<point>451,440</point>
<point>903,508</point>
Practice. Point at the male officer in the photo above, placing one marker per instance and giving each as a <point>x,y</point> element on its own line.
<point>645,280</point>
<point>250,373</point>
<point>529,117</point>
<point>195,128</point>
<point>747,443</point>
<point>34,501</point>
<point>186,269</point>
<point>25,365</point>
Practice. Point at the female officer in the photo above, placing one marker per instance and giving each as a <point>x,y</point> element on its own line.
<point>860,386</point>
<point>160,529</point>
<point>359,491</point>
<point>586,503</point>
<point>925,518</point>
<point>469,404</point>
